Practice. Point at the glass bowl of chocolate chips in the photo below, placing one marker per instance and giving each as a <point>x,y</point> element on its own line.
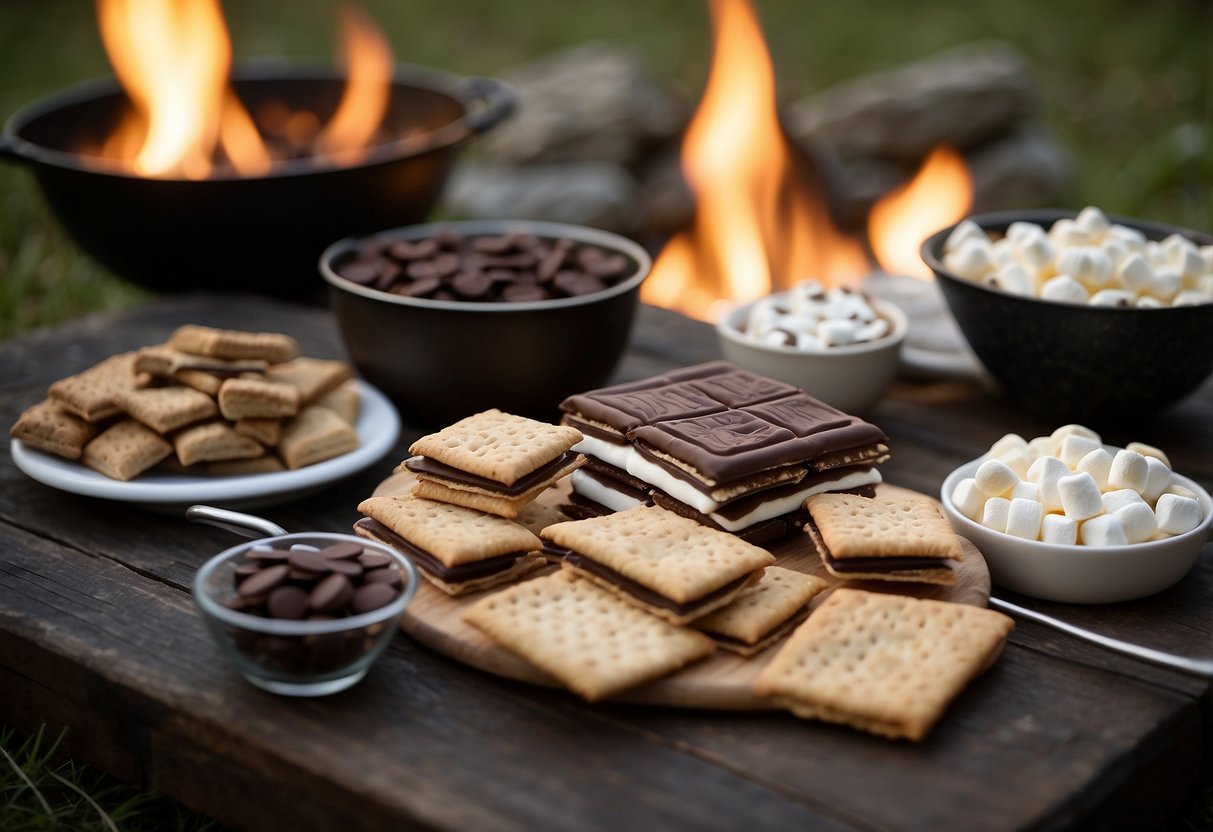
<point>452,318</point>
<point>304,614</point>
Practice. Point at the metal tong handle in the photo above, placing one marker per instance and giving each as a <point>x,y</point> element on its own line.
<point>245,525</point>
<point>1184,664</point>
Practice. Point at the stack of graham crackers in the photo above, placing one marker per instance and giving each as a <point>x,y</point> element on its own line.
<point>207,401</point>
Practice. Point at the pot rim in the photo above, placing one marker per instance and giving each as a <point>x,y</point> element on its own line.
<point>500,101</point>
<point>580,233</point>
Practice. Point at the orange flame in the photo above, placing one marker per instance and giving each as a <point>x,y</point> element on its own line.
<point>368,61</point>
<point>756,227</point>
<point>940,194</point>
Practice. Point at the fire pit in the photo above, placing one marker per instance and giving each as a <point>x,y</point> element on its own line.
<point>262,232</point>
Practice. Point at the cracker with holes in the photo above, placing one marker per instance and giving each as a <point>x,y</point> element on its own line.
<point>90,394</point>
<point>457,549</point>
<point>666,564</point>
<point>764,612</point>
<point>49,427</point>
<point>883,538</point>
<point>343,400</point>
<point>125,450</point>
<point>164,409</point>
<point>212,442</point>
<point>887,664</point>
<point>315,435</point>
<point>492,461</point>
<point>240,398</point>
<point>310,377</point>
<point>272,347</point>
<point>163,361</point>
<point>589,639</point>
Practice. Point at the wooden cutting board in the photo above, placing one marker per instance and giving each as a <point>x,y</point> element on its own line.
<point>722,681</point>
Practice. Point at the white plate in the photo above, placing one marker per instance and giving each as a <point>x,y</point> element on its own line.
<point>378,426</point>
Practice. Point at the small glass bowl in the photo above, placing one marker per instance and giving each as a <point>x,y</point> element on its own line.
<point>298,658</point>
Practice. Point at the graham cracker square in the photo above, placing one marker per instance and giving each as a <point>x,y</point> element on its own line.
<point>883,663</point>
<point>315,435</point>
<point>90,394</point>
<point>593,642</point>
<point>762,609</point>
<point>452,534</point>
<point>213,441</point>
<point>125,450</point>
<point>496,445</point>
<point>854,526</point>
<point>311,377</point>
<point>240,398</point>
<point>234,344</point>
<point>165,409</point>
<point>49,427</point>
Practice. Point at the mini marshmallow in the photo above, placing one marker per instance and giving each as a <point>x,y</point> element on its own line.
<point>1176,514</point>
<point>872,331</point>
<point>1023,518</point>
<point>1035,251</point>
<point>1105,530</point>
<point>1025,491</point>
<point>1129,470</point>
<point>1064,289</point>
<point>1011,278</point>
<point>1065,233</point>
<point>1138,522</point>
<point>834,333</point>
<point>1190,297</point>
<point>1148,450</point>
<point>1086,264</point>
<point>1206,254</point>
<point>1093,222</point>
<point>1149,302</point>
<point>1047,472</point>
<point>1016,231</point>
<point>995,478</point>
<point>1038,447</point>
<point>1205,284</point>
<point>1113,297</point>
<point>1180,491</point>
<point>1134,273</point>
<point>964,230</point>
<point>1097,463</point>
<point>1080,497</point>
<point>995,513</point>
<point>778,338</point>
<point>968,499</point>
<point>1114,501</point>
<point>1072,429</point>
<point>1158,478</point>
<point>1183,256</point>
<point>1057,528</point>
<point>1115,251</point>
<point>1008,442</point>
<point>1074,447</point>
<point>1133,239</point>
<point>1165,284</point>
<point>972,259</point>
<point>1004,252</point>
<point>807,342</point>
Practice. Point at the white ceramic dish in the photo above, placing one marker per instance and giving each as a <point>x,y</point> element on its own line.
<point>1081,574</point>
<point>378,426</point>
<point>850,377</point>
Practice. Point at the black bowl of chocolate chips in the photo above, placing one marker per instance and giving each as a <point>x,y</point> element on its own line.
<point>449,319</point>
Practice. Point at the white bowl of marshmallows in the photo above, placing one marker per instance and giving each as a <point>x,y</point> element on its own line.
<point>1067,518</point>
<point>838,344</point>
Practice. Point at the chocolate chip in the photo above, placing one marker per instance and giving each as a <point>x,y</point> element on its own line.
<point>471,285</point>
<point>267,555</point>
<point>388,275</point>
<point>445,265</point>
<point>577,283</point>
<point>495,245</point>
<point>332,594</point>
<point>404,250</point>
<point>522,260</point>
<point>609,266</point>
<point>418,288</point>
<point>342,551</point>
<point>447,239</point>
<point>263,581</point>
<point>349,568</point>
<point>550,264</point>
<point>363,272</point>
<point>389,575</point>
<point>309,561</point>
<point>288,602</point>
<point>420,270</point>
<point>371,597</point>
<point>373,560</point>
<point>522,293</point>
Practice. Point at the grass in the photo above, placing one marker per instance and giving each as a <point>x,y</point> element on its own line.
<point>39,792</point>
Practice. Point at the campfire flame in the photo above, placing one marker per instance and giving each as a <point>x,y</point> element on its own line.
<point>758,228</point>
<point>174,58</point>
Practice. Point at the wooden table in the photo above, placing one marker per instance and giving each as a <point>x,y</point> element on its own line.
<point>98,633</point>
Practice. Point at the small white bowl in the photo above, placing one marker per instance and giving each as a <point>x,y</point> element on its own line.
<point>1081,574</point>
<point>851,377</point>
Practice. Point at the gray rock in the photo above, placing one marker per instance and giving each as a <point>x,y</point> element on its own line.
<point>961,97</point>
<point>1025,167</point>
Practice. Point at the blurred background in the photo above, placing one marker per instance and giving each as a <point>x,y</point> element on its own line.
<point>1121,97</point>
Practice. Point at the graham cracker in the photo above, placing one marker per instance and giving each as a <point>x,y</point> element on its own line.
<point>311,377</point>
<point>125,450</point>
<point>498,446</point>
<point>343,400</point>
<point>164,409</point>
<point>48,427</point>
<point>673,556</point>
<point>868,527</point>
<point>452,534</point>
<point>265,429</point>
<point>538,516</point>
<point>315,435</point>
<point>264,464</point>
<point>497,504</point>
<point>213,441</point>
<point>591,641</point>
<point>234,344</point>
<point>163,361</point>
<point>941,575</point>
<point>762,609</point>
<point>90,394</point>
<point>888,664</point>
<point>243,397</point>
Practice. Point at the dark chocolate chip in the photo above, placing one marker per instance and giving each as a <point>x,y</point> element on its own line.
<point>332,594</point>
<point>288,602</point>
<point>373,560</point>
<point>389,575</point>
<point>371,597</point>
<point>343,550</point>
<point>263,581</point>
<point>523,292</point>
<point>577,283</point>
<point>268,555</point>
<point>404,251</point>
<point>305,576</point>
<point>550,264</point>
<point>501,275</point>
<point>445,265</point>
<point>363,272</point>
<point>447,239</point>
<point>420,270</point>
<point>495,245</point>
<point>471,285</point>
<point>521,260</point>
<point>351,569</point>
<point>418,288</point>
<point>611,266</point>
<point>388,275</point>
<point>309,561</point>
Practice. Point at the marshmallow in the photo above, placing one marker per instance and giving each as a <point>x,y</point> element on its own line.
<point>1132,239</point>
<point>1012,278</point>
<point>1038,447</point>
<point>1074,447</point>
<point>968,499</point>
<point>878,328</point>
<point>1080,497</point>
<point>1023,518</point>
<point>1134,273</point>
<point>778,338</point>
<point>1057,528</point>
<point>1149,302</point>
<point>1035,251</point>
<point>964,230</point>
<point>995,513</point>
<point>1004,252</point>
<point>1105,530</point>
<point>1047,472</point>
<point>835,333</point>
<point>1129,470</point>
<point>805,341</point>
<point>1138,522</point>
<point>1097,463</point>
<point>1206,254</point>
<point>1176,514</point>
<point>1017,231</point>
<point>1072,429</point>
<point>1165,284</point>
<point>972,259</point>
<point>1205,284</point>
<point>1148,450</point>
<point>1180,491</point>
<point>1183,256</point>
<point>1158,478</point>
<point>1093,222</point>
<point>1026,491</point>
<point>1115,251</point>
<point>1008,442</point>
<point>1113,297</point>
<point>1086,264</point>
<point>1066,233</point>
<point>1190,297</point>
<point>1114,501</point>
<point>1063,289</point>
<point>995,478</point>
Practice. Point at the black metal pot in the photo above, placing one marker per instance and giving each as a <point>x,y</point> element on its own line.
<point>255,233</point>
